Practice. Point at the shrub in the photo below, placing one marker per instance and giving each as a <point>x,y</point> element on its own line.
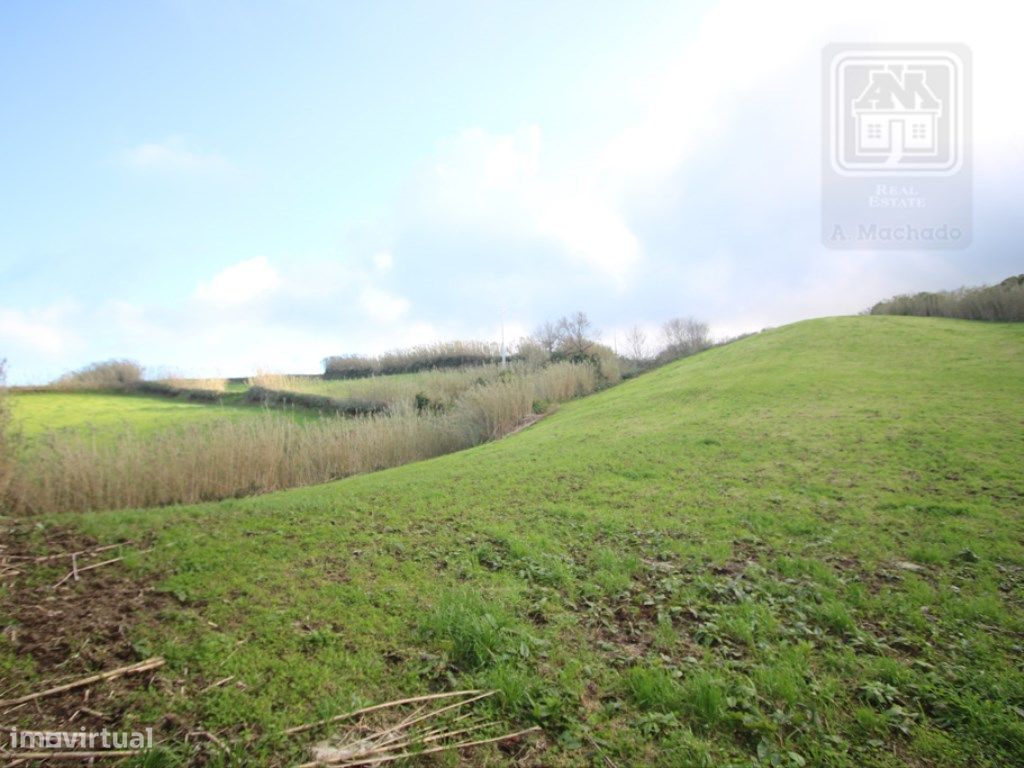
<point>684,336</point>
<point>607,364</point>
<point>1002,303</point>
<point>531,353</point>
<point>111,374</point>
<point>450,354</point>
<point>350,367</point>
<point>347,406</point>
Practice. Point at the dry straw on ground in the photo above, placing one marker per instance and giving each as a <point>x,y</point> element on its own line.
<point>422,731</point>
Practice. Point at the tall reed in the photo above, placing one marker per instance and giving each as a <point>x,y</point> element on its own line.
<point>68,471</point>
<point>203,385</point>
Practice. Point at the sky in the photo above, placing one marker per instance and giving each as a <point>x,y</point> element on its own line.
<point>215,188</point>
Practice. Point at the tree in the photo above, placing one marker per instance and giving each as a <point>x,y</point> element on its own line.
<point>684,336</point>
<point>574,331</point>
<point>547,336</point>
<point>636,344</point>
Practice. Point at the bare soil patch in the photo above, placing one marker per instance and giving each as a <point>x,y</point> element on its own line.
<point>70,631</point>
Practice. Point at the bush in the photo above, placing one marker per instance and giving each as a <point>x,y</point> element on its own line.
<point>684,336</point>
<point>451,354</point>
<point>607,364</point>
<point>111,374</point>
<point>350,367</point>
<point>1000,303</point>
<point>346,407</point>
<point>531,353</point>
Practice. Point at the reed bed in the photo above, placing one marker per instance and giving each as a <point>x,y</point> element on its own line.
<point>202,385</point>
<point>221,459</point>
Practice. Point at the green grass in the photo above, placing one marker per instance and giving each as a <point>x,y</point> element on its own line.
<point>705,565</point>
<point>345,388</point>
<point>106,413</point>
<point>438,386</point>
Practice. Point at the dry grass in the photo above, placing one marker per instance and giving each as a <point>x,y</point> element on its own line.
<point>110,374</point>
<point>564,381</point>
<point>203,385</point>
<point>223,459</point>
<point>282,382</point>
<point>487,412</point>
<point>441,387</point>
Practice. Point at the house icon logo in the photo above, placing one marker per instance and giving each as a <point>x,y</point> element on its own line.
<point>896,113</point>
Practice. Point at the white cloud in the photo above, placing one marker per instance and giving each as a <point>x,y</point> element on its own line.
<point>383,306</point>
<point>498,185</point>
<point>173,156</point>
<point>41,331</point>
<point>383,261</point>
<point>240,283</point>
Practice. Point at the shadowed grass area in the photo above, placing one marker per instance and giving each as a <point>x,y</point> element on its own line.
<point>804,548</point>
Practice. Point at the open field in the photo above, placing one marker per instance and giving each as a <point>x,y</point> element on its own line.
<point>108,413</point>
<point>804,548</point>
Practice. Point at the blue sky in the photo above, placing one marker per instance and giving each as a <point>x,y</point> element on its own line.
<point>212,188</point>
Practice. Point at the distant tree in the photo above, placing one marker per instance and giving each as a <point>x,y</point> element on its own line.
<point>532,353</point>
<point>1000,303</point>
<point>547,336</point>
<point>636,344</point>
<point>574,332</point>
<point>685,335</point>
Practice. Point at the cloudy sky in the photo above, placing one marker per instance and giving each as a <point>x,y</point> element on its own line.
<point>216,187</point>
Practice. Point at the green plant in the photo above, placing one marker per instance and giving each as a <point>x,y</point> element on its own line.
<point>1003,303</point>
<point>473,632</point>
<point>655,689</point>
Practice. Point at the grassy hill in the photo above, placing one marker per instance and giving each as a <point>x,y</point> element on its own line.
<point>804,548</point>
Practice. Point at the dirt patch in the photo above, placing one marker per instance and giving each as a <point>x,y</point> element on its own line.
<point>58,634</point>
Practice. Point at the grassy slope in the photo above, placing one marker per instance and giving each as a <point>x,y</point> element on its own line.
<point>106,413</point>
<point>696,567</point>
